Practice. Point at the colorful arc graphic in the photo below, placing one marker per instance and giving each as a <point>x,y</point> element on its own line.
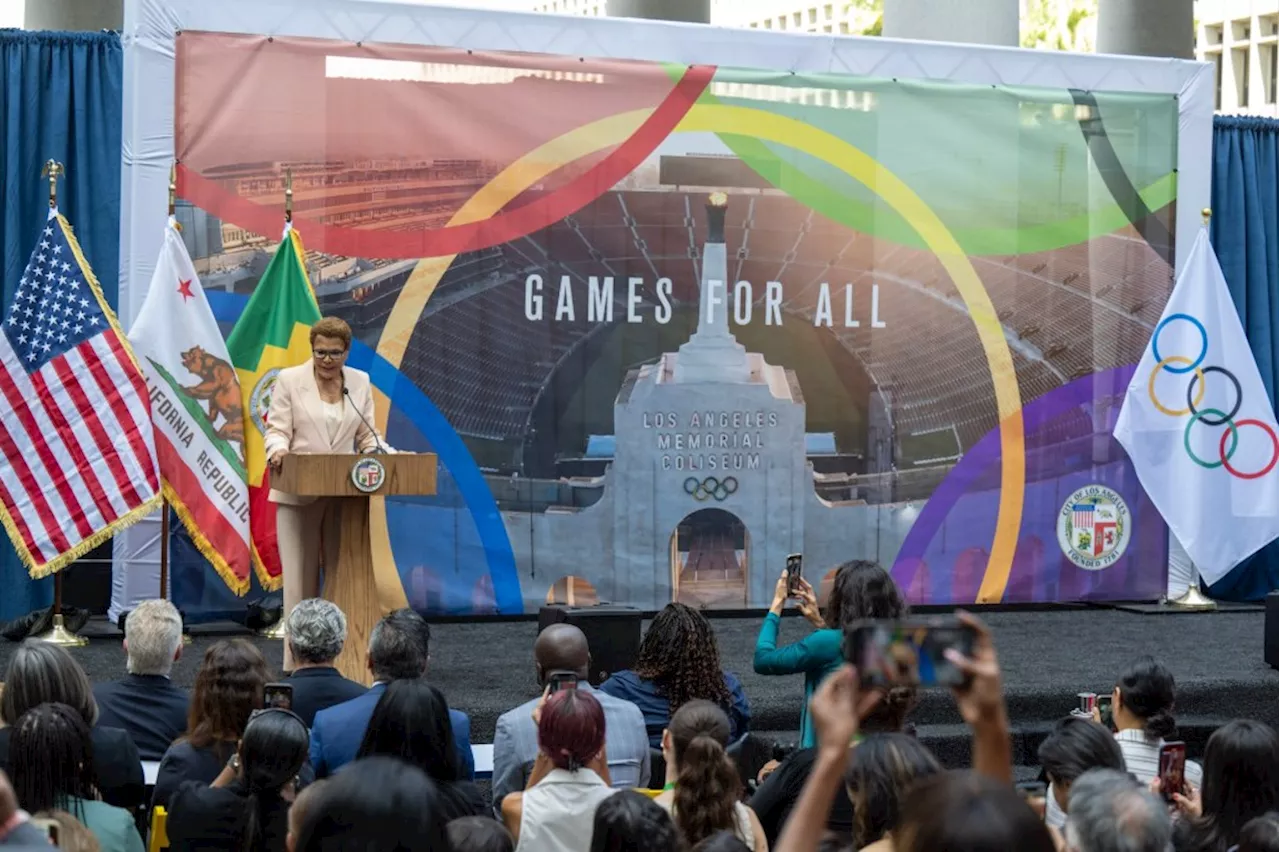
<point>746,121</point>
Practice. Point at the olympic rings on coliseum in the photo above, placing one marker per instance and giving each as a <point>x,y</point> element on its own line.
<point>704,489</point>
<point>1195,395</point>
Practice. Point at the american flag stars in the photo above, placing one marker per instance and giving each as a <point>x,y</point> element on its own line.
<point>53,310</point>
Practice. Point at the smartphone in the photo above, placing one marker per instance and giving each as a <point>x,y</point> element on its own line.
<point>49,826</point>
<point>908,652</point>
<point>278,695</point>
<point>562,680</point>
<point>795,572</point>
<point>1173,763</point>
<point>1106,712</point>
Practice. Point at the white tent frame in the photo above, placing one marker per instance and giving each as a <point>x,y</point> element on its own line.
<point>151,26</point>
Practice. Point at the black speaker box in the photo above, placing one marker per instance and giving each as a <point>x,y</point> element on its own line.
<point>613,634</point>
<point>1271,624</point>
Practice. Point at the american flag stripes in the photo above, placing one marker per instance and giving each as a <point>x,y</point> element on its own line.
<point>75,422</point>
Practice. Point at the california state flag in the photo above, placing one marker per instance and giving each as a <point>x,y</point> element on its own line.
<point>198,412</point>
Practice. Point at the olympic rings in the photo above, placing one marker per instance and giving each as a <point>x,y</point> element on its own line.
<point>1239,395</point>
<point>1230,440</point>
<point>1204,341</point>
<point>1235,438</point>
<point>703,489</point>
<point>1275,450</point>
<point>1151,386</point>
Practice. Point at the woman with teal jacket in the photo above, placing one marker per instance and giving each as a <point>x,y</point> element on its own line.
<point>861,590</point>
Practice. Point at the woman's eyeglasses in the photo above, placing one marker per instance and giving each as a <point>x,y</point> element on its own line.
<point>328,354</point>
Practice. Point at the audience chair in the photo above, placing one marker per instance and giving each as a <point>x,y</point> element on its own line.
<point>158,838</point>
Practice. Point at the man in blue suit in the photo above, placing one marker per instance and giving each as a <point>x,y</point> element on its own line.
<point>398,650</point>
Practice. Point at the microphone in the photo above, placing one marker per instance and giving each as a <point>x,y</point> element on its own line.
<point>378,448</point>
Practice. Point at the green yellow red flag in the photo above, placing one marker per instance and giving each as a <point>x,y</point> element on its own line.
<point>273,333</point>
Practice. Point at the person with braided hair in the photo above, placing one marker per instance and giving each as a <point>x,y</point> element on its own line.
<point>703,790</point>
<point>246,808</point>
<point>678,662</point>
<point>861,590</point>
<point>51,758</point>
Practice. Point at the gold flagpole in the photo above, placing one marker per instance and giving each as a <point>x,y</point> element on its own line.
<point>1193,598</point>
<point>58,633</point>
<point>276,631</point>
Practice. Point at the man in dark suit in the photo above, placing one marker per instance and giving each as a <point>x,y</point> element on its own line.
<point>316,630</point>
<point>398,649</point>
<point>145,702</point>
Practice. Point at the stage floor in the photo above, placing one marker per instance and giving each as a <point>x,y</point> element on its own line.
<point>1047,657</point>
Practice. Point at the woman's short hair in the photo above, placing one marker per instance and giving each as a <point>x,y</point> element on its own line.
<point>629,821</point>
<point>1147,691</point>
<point>883,770</point>
<point>229,686</point>
<point>317,630</point>
<point>411,722</point>
<point>40,673</point>
<point>333,328</point>
<point>1075,746</point>
<point>375,803</point>
<point>153,632</point>
<point>571,728</point>
<point>479,834</point>
<point>51,758</point>
<point>968,812</point>
<point>862,589</point>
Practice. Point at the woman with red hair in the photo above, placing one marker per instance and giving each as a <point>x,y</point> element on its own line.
<point>570,777</point>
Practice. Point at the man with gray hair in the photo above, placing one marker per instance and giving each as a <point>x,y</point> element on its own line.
<point>316,630</point>
<point>145,702</point>
<point>1109,811</point>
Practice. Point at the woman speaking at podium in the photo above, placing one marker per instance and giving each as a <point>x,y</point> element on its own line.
<point>319,406</point>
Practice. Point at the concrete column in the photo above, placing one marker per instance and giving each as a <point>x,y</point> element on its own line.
<point>1164,28</point>
<point>691,11</point>
<point>965,21</point>
<point>74,15</point>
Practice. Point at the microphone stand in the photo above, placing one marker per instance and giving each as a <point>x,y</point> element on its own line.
<point>378,448</point>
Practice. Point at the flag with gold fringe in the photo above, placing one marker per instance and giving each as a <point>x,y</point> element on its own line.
<point>198,412</point>
<point>273,333</point>
<point>75,421</point>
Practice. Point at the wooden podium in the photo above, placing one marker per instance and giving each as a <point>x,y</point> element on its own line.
<point>353,480</point>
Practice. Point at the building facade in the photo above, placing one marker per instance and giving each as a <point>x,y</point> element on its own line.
<point>1239,37</point>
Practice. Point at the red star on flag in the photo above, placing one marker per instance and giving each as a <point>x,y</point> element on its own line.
<point>184,289</point>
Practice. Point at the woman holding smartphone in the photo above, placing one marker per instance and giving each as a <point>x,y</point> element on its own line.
<point>862,589</point>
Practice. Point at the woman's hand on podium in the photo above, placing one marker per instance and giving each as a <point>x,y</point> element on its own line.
<point>276,459</point>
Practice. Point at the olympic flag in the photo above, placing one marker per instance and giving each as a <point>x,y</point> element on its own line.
<point>1198,425</point>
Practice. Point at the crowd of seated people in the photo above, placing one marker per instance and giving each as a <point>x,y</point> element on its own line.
<point>350,768</point>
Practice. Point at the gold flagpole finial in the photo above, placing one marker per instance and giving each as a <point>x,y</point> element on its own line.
<point>1205,214</point>
<point>173,187</point>
<point>288,195</point>
<point>53,170</point>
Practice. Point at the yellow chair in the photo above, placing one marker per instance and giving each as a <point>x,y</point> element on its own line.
<point>159,837</point>
<point>652,794</point>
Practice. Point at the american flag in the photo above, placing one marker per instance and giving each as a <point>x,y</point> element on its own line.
<point>75,421</point>
<point>1082,516</point>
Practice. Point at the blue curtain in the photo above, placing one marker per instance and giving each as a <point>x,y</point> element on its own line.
<point>61,98</point>
<point>1246,214</point>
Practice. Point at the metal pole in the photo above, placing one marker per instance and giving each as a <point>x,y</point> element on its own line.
<point>58,633</point>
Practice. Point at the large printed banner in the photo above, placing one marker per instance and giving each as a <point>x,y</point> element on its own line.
<point>665,325</point>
